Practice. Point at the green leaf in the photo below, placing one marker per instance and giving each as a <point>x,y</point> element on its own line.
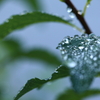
<point>85,7</point>
<point>61,72</point>
<point>37,83</point>
<point>21,21</point>
<point>71,95</point>
<point>30,85</point>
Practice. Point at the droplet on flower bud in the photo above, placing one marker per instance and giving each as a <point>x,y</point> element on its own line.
<point>81,53</point>
<point>71,64</point>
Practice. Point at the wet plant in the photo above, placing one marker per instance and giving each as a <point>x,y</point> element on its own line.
<point>80,53</point>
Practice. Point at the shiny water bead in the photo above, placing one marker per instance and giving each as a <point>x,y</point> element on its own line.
<point>76,36</point>
<point>71,64</point>
<point>71,15</point>
<point>69,9</point>
<point>79,12</point>
<point>82,54</point>
<point>66,40</point>
<point>81,47</point>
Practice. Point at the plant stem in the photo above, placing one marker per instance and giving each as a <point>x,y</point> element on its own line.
<point>79,16</point>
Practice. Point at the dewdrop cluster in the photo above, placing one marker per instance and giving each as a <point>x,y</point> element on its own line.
<point>75,50</point>
<point>82,55</point>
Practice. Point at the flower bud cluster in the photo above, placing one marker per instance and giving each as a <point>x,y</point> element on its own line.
<point>81,54</point>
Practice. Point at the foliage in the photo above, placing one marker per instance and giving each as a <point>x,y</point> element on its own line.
<point>37,83</point>
<point>11,50</point>
<point>21,21</point>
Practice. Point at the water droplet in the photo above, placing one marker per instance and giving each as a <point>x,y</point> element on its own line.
<point>62,42</point>
<point>91,47</point>
<point>82,42</point>
<point>59,66</point>
<point>69,9</point>
<point>84,35</point>
<point>81,47</point>
<point>95,58</point>
<point>98,41</point>
<point>80,12</point>
<point>59,47</point>
<point>68,37</point>
<point>64,17</point>
<point>71,64</point>
<point>91,56</point>
<point>76,36</point>
<point>67,41</point>
<point>68,46</point>
<point>71,15</point>
<point>24,12</point>
<point>88,6</point>
<point>65,57</point>
<point>88,40</point>
<point>56,71</point>
<point>85,58</point>
<point>62,52</point>
<point>86,49</point>
<point>92,36</point>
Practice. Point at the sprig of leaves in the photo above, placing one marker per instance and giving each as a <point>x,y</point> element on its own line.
<point>61,72</point>
<point>86,6</point>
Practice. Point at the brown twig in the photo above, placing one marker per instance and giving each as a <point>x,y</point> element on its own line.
<point>79,16</point>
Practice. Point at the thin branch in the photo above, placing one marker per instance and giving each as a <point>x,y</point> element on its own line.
<point>79,16</point>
